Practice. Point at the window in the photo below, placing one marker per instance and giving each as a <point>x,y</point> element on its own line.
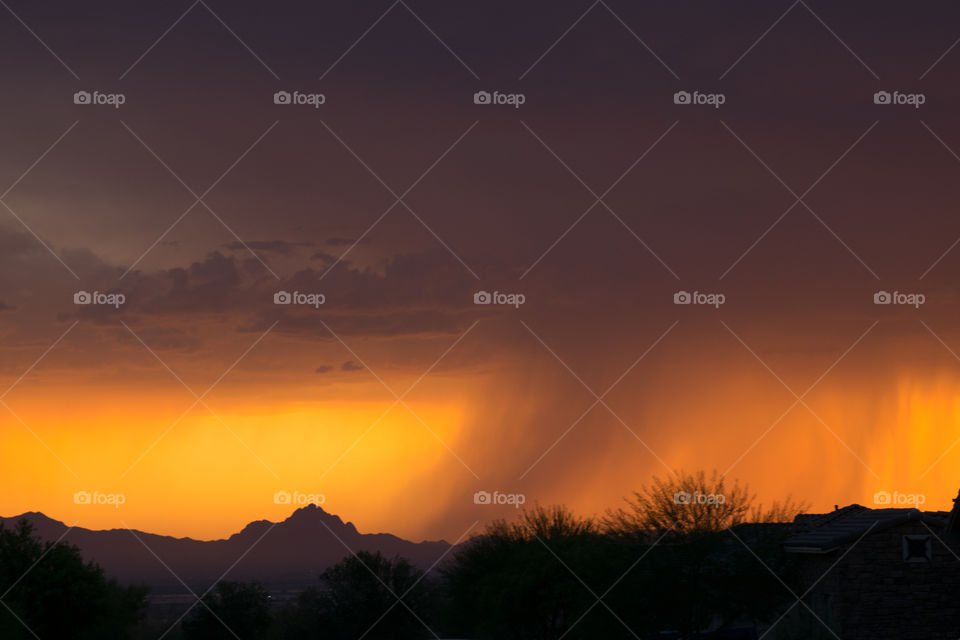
<point>917,548</point>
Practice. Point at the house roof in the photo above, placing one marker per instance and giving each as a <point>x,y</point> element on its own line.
<point>822,533</point>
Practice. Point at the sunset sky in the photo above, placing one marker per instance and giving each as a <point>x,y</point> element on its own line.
<point>598,198</point>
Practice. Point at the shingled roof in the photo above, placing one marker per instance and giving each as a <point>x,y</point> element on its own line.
<point>823,533</point>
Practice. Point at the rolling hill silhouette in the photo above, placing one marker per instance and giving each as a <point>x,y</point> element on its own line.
<point>288,553</point>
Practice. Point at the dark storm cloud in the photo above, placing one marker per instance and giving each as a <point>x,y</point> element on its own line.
<point>408,295</point>
<point>219,283</point>
<point>324,257</point>
<point>281,247</point>
<point>498,200</point>
<point>210,286</point>
<point>163,338</point>
<point>14,242</point>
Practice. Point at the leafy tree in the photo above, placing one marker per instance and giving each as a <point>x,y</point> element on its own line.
<point>48,591</point>
<point>533,578</point>
<point>365,595</point>
<point>231,610</point>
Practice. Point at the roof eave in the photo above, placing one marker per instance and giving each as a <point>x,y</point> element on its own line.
<point>809,550</point>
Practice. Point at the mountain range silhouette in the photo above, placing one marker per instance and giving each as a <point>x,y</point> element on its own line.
<point>290,553</point>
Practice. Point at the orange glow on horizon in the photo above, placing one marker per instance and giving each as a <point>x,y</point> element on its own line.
<point>202,481</point>
<point>207,480</point>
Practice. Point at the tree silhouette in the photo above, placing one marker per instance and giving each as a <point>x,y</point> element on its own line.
<point>231,610</point>
<point>532,578</point>
<point>711,546</point>
<point>48,591</point>
<point>688,504</point>
<point>361,596</point>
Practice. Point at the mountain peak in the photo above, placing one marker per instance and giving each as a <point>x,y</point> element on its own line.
<point>310,508</point>
<point>313,513</point>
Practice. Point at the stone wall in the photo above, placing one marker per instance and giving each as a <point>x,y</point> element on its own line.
<point>874,594</point>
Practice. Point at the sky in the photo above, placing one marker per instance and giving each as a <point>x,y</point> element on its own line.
<point>630,154</point>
